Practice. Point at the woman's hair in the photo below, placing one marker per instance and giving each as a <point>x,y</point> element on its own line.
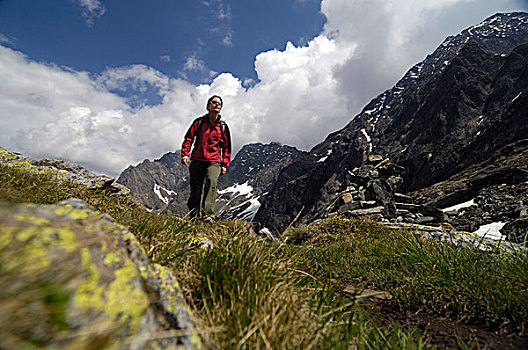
<point>211,98</point>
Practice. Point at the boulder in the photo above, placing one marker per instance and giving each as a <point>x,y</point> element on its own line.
<point>62,171</point>
<point>73,278</point>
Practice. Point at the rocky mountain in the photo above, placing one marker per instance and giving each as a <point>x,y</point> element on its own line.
<point>464,102</point>
<point>162,185</point>
<point>158,183</point>
<point>252,173</point>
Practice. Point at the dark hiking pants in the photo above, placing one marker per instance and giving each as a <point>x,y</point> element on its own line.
<point>199,172</point>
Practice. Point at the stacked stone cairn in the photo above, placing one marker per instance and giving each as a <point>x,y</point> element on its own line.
<point>372,191</point>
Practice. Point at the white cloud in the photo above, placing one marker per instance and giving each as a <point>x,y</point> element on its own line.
<point>91,10</point>
<point>220,9</point>
<point>224,15</point>
<point>56,112</point>
<point>301,95</point>
<point>193,63</point>
<point>224,12</point>
<point>227,39</point>
<point>4,39</point>
<point>165,58</point>
<point>392,35</point>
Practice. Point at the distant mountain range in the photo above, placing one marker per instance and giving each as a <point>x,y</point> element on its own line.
<point>162,185</point>
<point>461,107</point>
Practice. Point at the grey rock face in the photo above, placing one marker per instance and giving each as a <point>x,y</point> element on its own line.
<point>158,183</point>
<point>62,170</point>
<point>256,168</point>
<point>516,231</point>
<point>369,192</point>
<point>465,101</point>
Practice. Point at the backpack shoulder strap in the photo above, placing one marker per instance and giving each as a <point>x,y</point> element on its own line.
<point>226,132</point>
<point>198,128</point>
<point>223,126</point>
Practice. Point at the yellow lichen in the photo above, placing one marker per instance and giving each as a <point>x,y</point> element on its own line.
<point>34,252</point>
<point>36,220</point>
<point>62,236</point>
<point>76,214</point>
<point>6,235</point>
<point>112,257</point>
<point>136,302</point>
<point>89,293</point>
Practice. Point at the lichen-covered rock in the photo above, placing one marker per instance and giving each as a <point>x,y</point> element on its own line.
<point>73,278</point>
<point>462,238</point>
<point>62,171</point>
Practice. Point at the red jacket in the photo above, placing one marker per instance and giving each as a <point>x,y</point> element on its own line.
<point>209,146</point>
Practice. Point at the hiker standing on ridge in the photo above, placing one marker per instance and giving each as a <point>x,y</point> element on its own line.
<point>210,157</point>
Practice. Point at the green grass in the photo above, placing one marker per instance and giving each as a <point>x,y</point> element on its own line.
<point>470,285</point>
<point>256,294</point>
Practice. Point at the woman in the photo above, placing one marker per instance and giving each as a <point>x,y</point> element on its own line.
<point>210,157</point>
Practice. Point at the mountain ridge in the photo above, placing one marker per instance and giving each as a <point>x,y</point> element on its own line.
<point>162,185</point>
<point>426,123</point>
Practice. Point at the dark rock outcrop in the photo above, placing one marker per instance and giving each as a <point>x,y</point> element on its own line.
<point>493,191</point>
<point>465,101</point>
<point>252,173</point>
<point>371,190</point>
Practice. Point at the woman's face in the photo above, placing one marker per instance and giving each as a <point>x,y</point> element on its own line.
<point>215,105</point>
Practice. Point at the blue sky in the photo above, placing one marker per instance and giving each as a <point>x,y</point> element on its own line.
<point>110,83</point>
<point>189,39</point>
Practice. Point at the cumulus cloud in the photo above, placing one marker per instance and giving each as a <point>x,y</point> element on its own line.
<point>139,83</point>
<point>91,10</point>
<point>53,111</point>
<point>4,39</point>
<point>224,15</point>
<point>194,64</point>
<point>384,33</point>
<point>302,92</point>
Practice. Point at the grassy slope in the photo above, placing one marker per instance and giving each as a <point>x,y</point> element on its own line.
<point>262,295</point>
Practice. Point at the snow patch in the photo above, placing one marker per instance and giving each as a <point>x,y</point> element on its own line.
<point>366,135</point>
<point>490,230</point>
<point>237,189</point>
<point>368,139</point>
<point>160,191</point>
<point>329,152</point>
<point>251,211</point>
<point>459,206</point>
